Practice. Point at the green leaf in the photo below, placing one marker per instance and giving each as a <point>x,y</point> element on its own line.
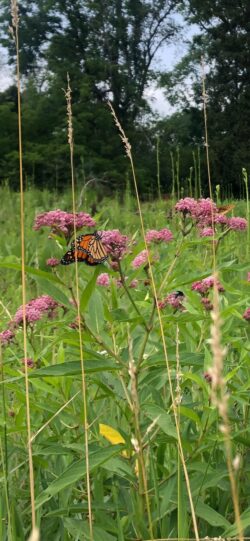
<point>191,414</point>
<point>88,291</point>
<point>80,530</point>
<point>77,471</point>
<point>162,419</point>
<point>233,530</point>
<point>119,466</point>
<point>73,368</point>
<point>211,516</point>
<point>95,317</point>
<point>31,270</point>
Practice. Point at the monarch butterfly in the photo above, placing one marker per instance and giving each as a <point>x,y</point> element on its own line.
<point>224,209</point>
<point>88,249</point>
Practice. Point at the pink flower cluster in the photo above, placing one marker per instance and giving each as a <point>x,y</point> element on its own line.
<point>63,222</point>
<point>140,259</point>
<point>198,209</point>
<point>238,224</point>
<point>248,276</point>
<point>29,362</point>
<point>115,242</point>
<point>205,209</point>
<point>53,262</point>
<point>203,286</point>
<point>174,299</point>
<point>207,232</point>
<point>220,219</point>
<point>6,337</point>
<point>103,279</point>
<point>188,205</point>
<point>163,235</point>
<point>35,310</point>
<point>246,314</point>
<point>207,304</point>
<point>134,283</point>
<point>204,212</point>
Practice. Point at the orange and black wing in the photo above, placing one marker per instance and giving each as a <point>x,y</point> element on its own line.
<point>224,209</point>
<point>74,255</point>
<point>87,249</point>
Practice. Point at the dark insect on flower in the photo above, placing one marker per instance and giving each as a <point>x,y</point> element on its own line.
<point>88,249</point>
<point>178,293</point>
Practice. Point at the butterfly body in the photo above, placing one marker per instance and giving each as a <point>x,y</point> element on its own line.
<point>87,249</point>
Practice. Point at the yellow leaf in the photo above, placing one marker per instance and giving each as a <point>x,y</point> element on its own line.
<point>111,434</point>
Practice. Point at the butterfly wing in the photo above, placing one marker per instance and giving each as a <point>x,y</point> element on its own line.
<point>97,250</point>
<point>72,256</point>
<point>224,209</point>
<point>87,249</point>
<point>82,243</point>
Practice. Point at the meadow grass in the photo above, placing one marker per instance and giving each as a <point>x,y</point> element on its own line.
<point>128,389</point>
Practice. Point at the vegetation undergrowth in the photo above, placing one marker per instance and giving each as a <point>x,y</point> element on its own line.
<point>131,426</point>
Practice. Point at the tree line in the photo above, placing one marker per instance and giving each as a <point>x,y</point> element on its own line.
<point>109,48</point>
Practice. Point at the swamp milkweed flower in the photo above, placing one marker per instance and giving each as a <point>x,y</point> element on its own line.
<point>62,222</point>
<point>237,223</point>
<point>246,314</point>
<point>53,262</point>
<point>134,283</point>
<point>207,232</point>
<point>29,362</point>
<point>163,235</point>
<point>6,337</point>
<point>115,243</point>
<point>188,205</point>
<point>203,286</point>
<point>221,219</point>
<point>207,304</point>
<point>174,299</point>
<point>35,310</point>
<point>103,279</point>
<point>140,259</point>
<point>205,209</point>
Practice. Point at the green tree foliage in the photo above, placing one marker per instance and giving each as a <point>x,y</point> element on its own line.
<point>107,48</point>
<point>224,42</point>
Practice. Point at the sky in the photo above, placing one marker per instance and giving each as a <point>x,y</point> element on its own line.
<point>168,56</point>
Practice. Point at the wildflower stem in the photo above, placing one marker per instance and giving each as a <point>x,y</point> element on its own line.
<point>180,447</point>
<point>5,461</point>
<point>177,254</point>
<point>15,22</point>
<point>146,337</point>
<point>77,300</point>
<point>220,400</point>
<point>143,485</point>
<point>121,375</point>
<point>100,341</point>
<point>123,281</point>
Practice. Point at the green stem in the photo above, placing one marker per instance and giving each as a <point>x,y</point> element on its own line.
<point>4,424</point>
<point>123,281</point>
<point>177,254</point>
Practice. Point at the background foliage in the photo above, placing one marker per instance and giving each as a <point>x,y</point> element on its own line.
<point>110,51</point>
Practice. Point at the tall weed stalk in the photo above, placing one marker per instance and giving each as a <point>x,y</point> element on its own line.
<point>15,33</point>
<point>84,387</point>
<point>156,307</point>
<point>219,397</point>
